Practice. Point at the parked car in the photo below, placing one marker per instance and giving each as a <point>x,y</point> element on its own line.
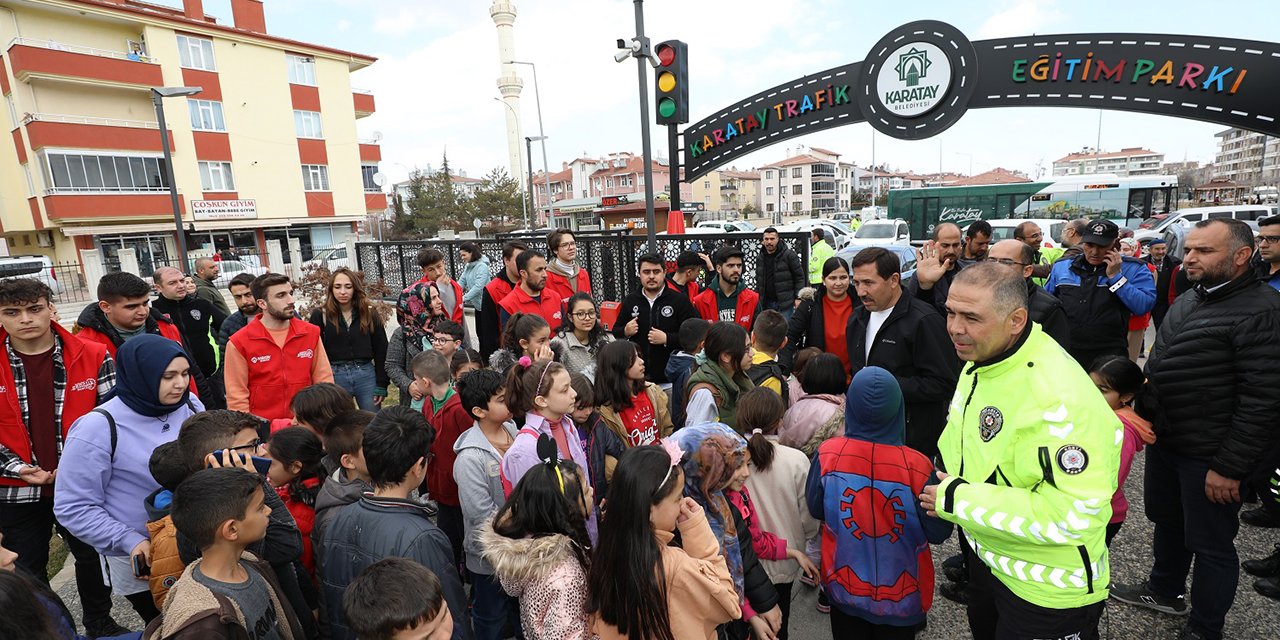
<point>36,267</point>
<point>906,256</point>
<point>882,233</point>
<point>1190,216</point>
<point>331,258</point>
<point>836,234</point>
<point>722,226</point>
<point>229,269</point>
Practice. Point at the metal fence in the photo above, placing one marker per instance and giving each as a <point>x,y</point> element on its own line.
<point>611,259</point>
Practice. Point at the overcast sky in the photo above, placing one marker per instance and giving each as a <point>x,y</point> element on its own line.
<point>438,62</point>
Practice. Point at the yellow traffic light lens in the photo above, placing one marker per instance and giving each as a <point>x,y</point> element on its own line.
<point>666,81</point>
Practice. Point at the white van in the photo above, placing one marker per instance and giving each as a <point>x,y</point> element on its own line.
<point>1190,216</point>
<point>36,267</point>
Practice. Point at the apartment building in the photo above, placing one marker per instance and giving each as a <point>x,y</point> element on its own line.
<point>1130,161</point>
<point>813,181</point>
<point>728,191</point>
<point>584,190</point>
<point>1247,158</point>
<point>266,150</point>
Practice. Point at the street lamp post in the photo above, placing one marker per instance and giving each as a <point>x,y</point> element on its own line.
<point>542,135</point>
<point>524,208</point>
<point>158,94</point>
<point>528,150</point>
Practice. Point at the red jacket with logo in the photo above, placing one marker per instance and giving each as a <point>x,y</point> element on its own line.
<point>276,374</point>
<point>745,310</point>
<point>691,288</point>
<point>82,361</point>
<point>558,284</point>
<point>547,305</point>
<point>164,327</point>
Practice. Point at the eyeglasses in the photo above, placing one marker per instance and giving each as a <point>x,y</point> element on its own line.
<point>1268,239</point>
<point>584,315</point>
<point>253,446</point>
<point>442,338</point>
<point>1007,262</point>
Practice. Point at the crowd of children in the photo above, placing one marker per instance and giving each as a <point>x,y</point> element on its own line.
<point>527,500</point>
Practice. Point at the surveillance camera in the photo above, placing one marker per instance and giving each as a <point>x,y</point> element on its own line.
<point>622,56</point>
<point>622,44</point>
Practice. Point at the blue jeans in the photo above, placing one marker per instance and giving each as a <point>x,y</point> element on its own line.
<point>359,379</point>
<point>491,607</point>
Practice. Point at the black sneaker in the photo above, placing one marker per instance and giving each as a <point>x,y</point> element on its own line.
<point>1269,587</point>
<point>103,628</point>
<point>824,605</point>
<point>1141,595</point>
<point>1189,633</point>
<point>1265,567</point>
<point>957,592</point>
<point>1260,517</point>
<point>955,569</point>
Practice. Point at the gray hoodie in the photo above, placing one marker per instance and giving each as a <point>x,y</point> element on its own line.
<point>477,472</point>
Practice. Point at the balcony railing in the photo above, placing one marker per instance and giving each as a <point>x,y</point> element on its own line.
<point>61,118</point>
<point>363,92</point>
<point>54,45</point>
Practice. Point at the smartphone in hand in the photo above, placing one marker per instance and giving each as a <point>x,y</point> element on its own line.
<point>140,567</point>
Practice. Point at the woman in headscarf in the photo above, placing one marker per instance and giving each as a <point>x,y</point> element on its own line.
<point>418,311</point>
<point>105,474</point>
<point>715,453</point>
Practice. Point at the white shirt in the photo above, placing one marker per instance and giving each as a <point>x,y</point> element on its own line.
<point>873,327</point>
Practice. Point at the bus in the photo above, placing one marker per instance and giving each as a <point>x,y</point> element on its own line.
<point>1124,200</point>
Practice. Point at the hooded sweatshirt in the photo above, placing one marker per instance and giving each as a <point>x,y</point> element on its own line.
<point>811,421</point>
<point>100,498</point>
<point>1137,435</point>
<point>545,574</point>
<point>876,562</point>
<point>479,479</point>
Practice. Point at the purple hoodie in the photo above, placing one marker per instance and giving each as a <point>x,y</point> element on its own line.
<point>102,501</point>
<point>523,454</point>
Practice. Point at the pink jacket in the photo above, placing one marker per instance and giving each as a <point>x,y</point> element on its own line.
<point>547,577</point>
<point>767,546</point>
<point>801,424</point>
<point>1137,434</point>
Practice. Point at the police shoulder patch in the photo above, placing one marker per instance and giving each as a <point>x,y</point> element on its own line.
<point>990,421</point>
<point>1072,459</point>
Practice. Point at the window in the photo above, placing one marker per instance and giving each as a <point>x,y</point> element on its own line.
<point>797,189</point>
<point>367,171</point>
<point>315,177</point>
<point>796,172</point>
<point>307,124</point>
<point>302,70</point>
<point>797,206</point>
<point>768,175</point>
<point>706,184</point>
<point>77,172</point>
<point>768,207</point>
<point>206,115</point>
<point>13,111</point>
<point>768,191</point>
<point>216,176</point>
<point>196,53</point>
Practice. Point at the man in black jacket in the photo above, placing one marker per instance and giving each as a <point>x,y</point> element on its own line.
<point>906,337</point>
<point>197,319</point>
<point>937,264</point>
<point>488,318</point>
<point>1042,308</point>
<point>1166,265</point>
<point>1210,394</point>
<point>778,274</point>
<point>651,318</point>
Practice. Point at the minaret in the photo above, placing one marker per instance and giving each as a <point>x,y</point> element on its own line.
<point>503,13</point>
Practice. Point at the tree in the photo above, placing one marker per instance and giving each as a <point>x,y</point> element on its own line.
<point>499,196</point>
<point>750,210</point>
<point>407,210</point>
<point>437,204</point>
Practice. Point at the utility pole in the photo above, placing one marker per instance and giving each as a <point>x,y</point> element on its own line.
<point>641,54</point>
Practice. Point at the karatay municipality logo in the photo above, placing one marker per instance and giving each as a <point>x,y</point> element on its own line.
<point>917,82</point>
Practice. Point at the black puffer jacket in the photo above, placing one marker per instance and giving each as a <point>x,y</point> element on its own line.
<point>787,274</point>
<point>807,327</point>
<point>913,345</point>
<point>1212,376</point>
<point>1045,310</point>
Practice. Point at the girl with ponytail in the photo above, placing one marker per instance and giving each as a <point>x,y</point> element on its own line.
<point>525,335</point>
<point>539,547</point>
<point>642,587</point>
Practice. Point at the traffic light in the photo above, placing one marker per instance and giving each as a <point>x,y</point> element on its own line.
<point>673,82</point>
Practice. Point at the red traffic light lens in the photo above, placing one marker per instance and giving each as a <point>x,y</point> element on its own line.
<point>666,55</point>
<point>666,107</point>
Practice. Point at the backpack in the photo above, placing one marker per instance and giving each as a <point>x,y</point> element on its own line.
<point>111,424</point>
<point>771,369</point>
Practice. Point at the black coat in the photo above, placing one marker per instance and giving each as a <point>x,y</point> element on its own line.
<point>1212,376</point>
<point>199,322</point>
<point>666,314</point>
<point>787,274</point>
<point>1045,309</point>
<point>807,327</point>
<point>913,345</point>
<point>937,295</point>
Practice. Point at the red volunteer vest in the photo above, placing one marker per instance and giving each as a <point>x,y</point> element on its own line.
<point>498,288</point>
<point>744,311</point>
<point>276,374</point>
<point>691,286</point>
<point>547,306</point>
<point>456,314</point>
<point>559,285</point>
<point>82,360</point>
<point>167,330</point>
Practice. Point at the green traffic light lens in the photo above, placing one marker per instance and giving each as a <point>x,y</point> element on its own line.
<point>666,107</point>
